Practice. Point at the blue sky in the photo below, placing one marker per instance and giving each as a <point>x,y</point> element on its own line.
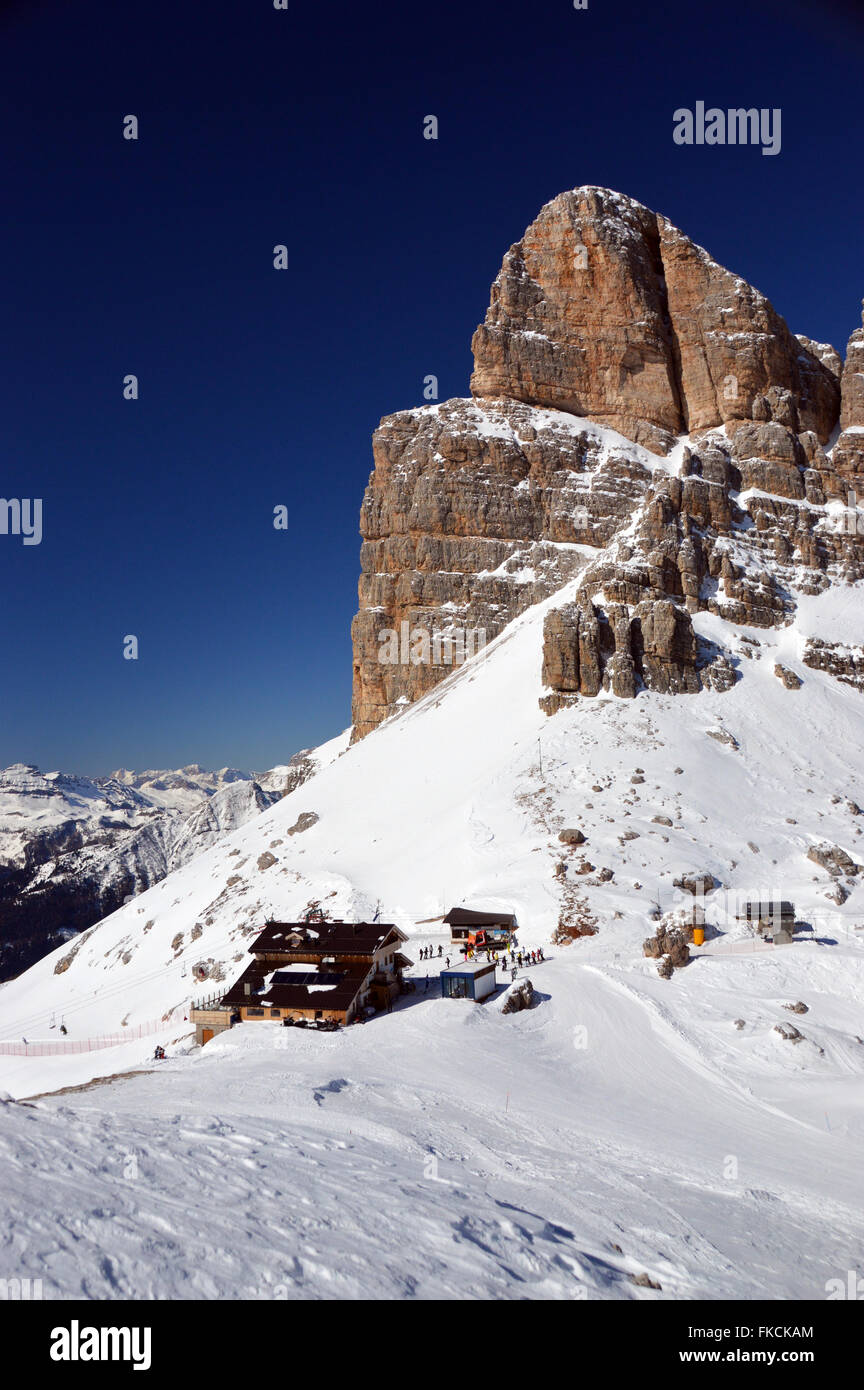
<point>260,388</point>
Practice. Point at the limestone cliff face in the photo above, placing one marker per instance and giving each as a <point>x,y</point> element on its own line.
<point>475,510</point>
<point>848,453</point>
<point>610,335</point>
<point>607,310</point>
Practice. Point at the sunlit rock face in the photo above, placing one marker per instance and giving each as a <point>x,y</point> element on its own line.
<point>641,416</point>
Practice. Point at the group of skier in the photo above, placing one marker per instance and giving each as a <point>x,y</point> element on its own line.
<point>506,959</point>
<point>517,958</point>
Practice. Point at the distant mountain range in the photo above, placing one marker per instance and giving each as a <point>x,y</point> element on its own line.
<point>74,849</point>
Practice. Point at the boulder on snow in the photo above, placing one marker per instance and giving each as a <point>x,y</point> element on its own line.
<point>519,996</point>
<point>723,736</point>
<point>788,1032</point>
<point>304,821</point>
<point>698,884</point>
<point>571,837</point>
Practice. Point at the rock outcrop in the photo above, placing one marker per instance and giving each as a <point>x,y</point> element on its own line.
<point>848,456</point>
<point>587,649</point>
<point>669,947</point>
<point>843,662</point>
<point>609,335</point>
<point>789,678</point>
<point>834,859</point>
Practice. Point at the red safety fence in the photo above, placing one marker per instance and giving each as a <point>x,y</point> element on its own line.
<point>69,1047</point>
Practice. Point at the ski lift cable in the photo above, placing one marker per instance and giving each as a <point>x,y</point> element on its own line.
<point>87,1003</point>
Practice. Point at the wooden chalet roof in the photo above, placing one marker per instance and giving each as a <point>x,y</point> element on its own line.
<point>325,938</point>
<point>334,987</point>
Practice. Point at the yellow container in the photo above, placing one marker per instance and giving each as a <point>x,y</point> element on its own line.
<point>698,936</point>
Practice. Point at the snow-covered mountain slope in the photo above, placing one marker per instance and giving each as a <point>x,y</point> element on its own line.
<point>669,1119</point>
<point>447,1151</point>
<point>448,805</point>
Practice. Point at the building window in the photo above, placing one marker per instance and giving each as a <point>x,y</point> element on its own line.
<point>275,1013</point>
<point>254,1013</point>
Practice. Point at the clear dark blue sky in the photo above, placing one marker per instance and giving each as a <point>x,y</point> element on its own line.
<point>259,387</point>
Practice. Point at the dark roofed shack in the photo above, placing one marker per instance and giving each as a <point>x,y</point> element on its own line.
<point>464,923</point>
<point>772,915</point>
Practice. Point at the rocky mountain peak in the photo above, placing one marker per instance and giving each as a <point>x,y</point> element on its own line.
<point>641,418</point>
<point>606,309</point>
